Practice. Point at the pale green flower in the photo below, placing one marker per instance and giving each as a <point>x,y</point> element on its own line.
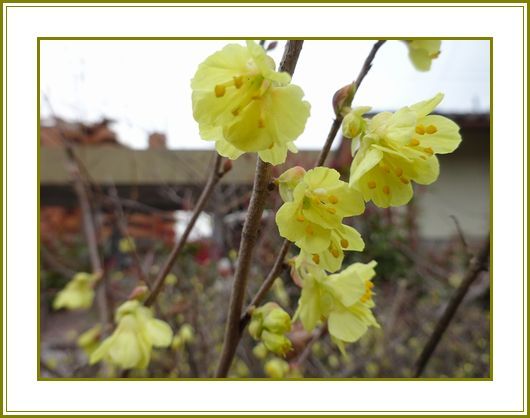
<point>343,299</point>
<point>136,333</point>
<point>423,51</point>
<point>78,293</point>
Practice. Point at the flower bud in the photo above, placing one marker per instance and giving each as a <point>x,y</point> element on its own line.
<point>260,351</point>
<point>354,124</point>
<point>139,293</point>
<point>256,326</point>
<point>288,181</point>
<point>276,368</point>
<point>343,97</point>
<point>186,333</point>
<point>277,321</point>
<point>278,344</point>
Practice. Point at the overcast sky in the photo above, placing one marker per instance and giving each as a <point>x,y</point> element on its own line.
<point>145,85</point>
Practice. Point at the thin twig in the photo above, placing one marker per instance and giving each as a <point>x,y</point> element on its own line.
<point>477,265</point>
<point>304,355</point>
<point>89,226</point>
<point>215,175</point>
<point>339,116</point>
<point>462,236</point>
<point>249,236</point>
<point>122,225</point>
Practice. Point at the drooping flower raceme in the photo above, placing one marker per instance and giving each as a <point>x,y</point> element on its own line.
<point>244,105</point>
<point>313,216</point>
<point>344,299</point>
<point>137,332</point>
<point>78,293</point>
<point>400,147</point>
<point>423,51</point>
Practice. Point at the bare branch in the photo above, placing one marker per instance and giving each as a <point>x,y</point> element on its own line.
<point>477,265</point>
<point>215,175</point>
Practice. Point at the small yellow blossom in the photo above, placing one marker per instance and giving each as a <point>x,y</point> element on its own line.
<point>244,105</point>
<point>127,245</point>
<point>344,299</point>
<point>137,332</point>
<point>313,218</point>
<point>399,148</point>
<point>89,340</point>
<point>78,293</point>
<point>423,51</point>
<point>353,123</point>
<point>276,368</point>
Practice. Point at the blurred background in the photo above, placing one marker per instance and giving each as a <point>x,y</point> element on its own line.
<point>125,107</point>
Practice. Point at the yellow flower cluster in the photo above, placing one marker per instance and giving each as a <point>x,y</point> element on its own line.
<point>244,105</point>
<point>269,323</point>
<point>137,332</point>
<point>401,147</point>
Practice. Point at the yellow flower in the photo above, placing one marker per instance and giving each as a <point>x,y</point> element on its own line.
<point>78,293</point>
<point>131,343</point>
<point>344,299</point>
<point>126,245</point>
<point>313,218</point>
<point>423,51</point>
<point>244,105</point>
<point>89,340</point>
<point>276,368</point>
<point>260,351</point>
<point>400,147</point>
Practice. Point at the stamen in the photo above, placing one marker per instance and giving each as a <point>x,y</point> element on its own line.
<point>344,243</point>
<point>334,252</point>
<point>413,142</point>
<point>238,81</point>
<point>404,180</point>
<point>384,167</point>
<point>309,230</point>
<point>429,150</point>
<point>219,90</point>
<point>333,199</point>
<point>386,190</point>
<point>431,129</point>
<point>261,122</point>
<point>331,210</point>
<point>316,258</point>
<point>235,112</point>
<point>372,184</point>
<point>420,129</point>
<point>300,217</point>
<point>399,171</point>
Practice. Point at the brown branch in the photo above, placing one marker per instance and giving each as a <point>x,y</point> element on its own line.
<point>477,265</point>
<point>215,175</point>
<point>249,236</point>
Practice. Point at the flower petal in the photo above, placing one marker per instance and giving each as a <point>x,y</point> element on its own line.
<point>446,138</point>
